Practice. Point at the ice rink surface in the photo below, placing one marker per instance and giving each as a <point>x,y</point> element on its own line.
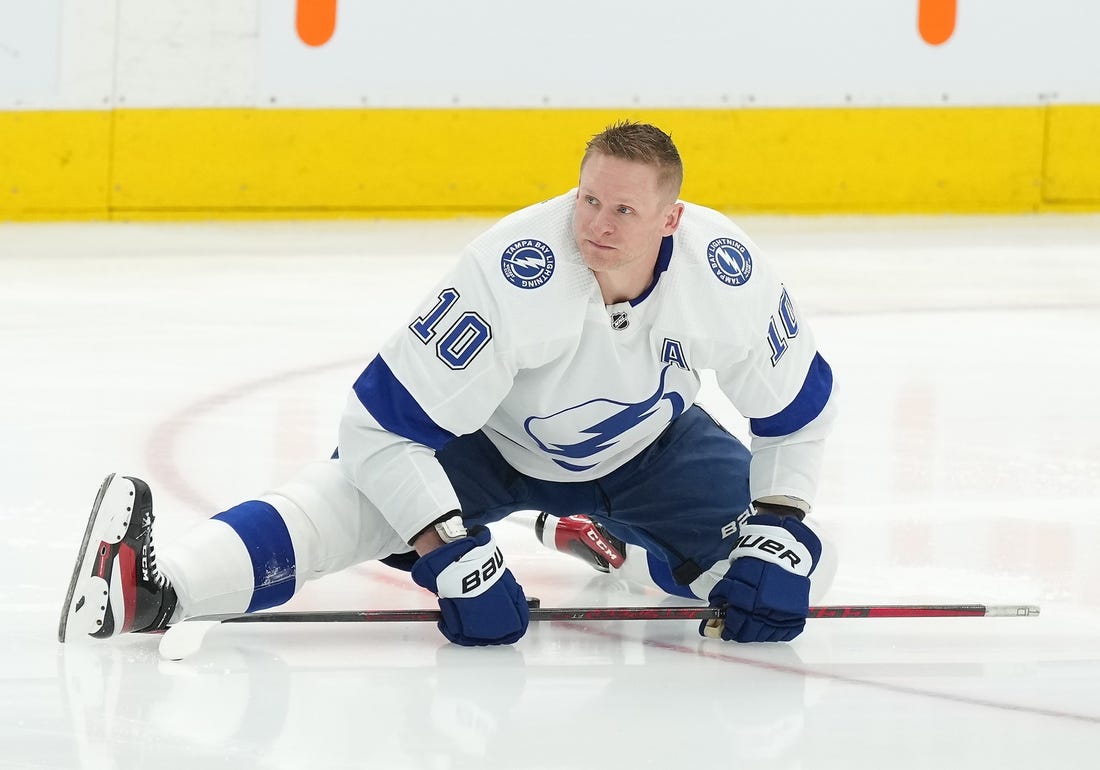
<point>214,359</point>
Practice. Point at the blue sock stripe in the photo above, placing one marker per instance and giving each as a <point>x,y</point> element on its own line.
<point>267,540</point>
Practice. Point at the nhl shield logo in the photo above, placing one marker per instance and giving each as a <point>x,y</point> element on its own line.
<point>730,261</point>
<point>527,264</point>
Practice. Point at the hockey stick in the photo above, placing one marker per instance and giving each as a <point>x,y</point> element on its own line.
<point>185,638</point>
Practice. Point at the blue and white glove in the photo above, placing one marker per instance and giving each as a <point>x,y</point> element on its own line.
<point>766,590</point>
<point>480,600</point>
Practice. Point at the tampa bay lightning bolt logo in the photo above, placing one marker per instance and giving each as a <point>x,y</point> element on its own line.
<point>605,423</point>
<point>730,261</point>
<point>527,264</point>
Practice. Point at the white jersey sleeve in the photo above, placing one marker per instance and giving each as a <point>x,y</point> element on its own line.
<point>447,371</point>
<point>436,379</point>
<point>778,379</point>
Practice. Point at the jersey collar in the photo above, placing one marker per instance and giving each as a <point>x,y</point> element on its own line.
<point>664,257</point>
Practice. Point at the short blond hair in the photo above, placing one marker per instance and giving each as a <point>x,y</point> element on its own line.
<point>641,143</point>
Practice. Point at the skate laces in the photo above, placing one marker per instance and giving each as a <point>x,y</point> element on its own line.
<point>159,579</point>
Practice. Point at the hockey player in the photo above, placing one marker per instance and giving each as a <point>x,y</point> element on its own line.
<point>556,369</point>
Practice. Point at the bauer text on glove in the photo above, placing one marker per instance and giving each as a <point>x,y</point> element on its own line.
<point>479,598</point>
<point>766,590</point>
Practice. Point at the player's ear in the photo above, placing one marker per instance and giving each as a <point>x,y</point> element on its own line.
<point>672,218</point>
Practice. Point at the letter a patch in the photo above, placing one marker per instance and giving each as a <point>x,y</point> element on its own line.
<point>672,352</point>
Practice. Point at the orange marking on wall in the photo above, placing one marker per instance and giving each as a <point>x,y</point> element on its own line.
<point>316,21</point>
<point>936,20</point>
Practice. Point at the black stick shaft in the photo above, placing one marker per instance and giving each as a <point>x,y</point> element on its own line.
<point>634,613</point>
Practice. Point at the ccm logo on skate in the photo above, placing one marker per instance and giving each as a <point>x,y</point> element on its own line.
<point>146,524</point>
<point>484,574</point>
<point>598,543</point>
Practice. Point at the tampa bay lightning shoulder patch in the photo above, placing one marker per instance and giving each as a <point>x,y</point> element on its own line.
<point>730,261</point>
<point>527,264</point>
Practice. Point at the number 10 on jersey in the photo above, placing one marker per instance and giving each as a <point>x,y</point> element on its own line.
<point>463,340</point>
<point>779,334</point>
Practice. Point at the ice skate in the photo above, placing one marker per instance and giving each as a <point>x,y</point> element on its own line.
<point>580,536</point>
<point>116,587</point>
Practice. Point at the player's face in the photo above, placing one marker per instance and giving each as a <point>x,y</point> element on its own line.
<point>622,214</point>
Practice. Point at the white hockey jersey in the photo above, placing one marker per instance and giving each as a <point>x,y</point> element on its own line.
<point>517,341</point>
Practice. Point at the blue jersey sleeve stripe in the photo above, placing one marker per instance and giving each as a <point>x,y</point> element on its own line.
<point>804,408</point>
<point>391,404</point>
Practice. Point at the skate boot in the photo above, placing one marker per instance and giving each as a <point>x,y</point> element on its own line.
<point>580,536</point>
<point>116,587</point>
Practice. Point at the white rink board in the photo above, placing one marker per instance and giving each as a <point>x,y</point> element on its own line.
<point>493,53</point>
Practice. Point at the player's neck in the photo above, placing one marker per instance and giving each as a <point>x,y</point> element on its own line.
<point>616,287</point>
<point>626,282</point>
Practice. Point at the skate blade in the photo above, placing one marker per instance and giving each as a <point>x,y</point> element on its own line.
<point>85,616</point>
<point>85,593</point>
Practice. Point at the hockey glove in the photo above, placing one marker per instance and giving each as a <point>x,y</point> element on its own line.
<point>480,600</point>
<point>766,590</point>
